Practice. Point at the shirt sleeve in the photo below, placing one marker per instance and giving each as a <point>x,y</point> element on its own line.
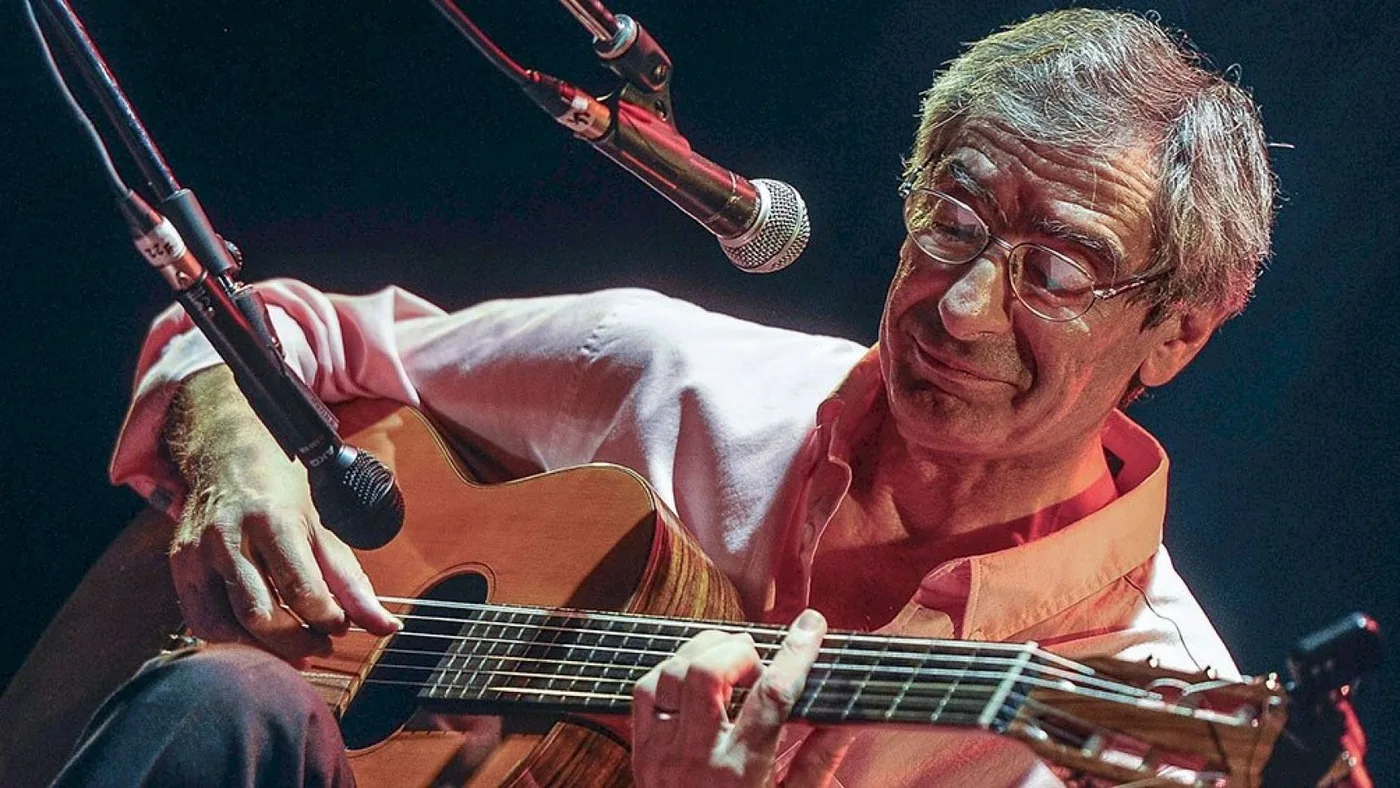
<point>506,370</point>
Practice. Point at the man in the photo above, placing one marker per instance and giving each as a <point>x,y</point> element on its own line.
<point>1085,205</point>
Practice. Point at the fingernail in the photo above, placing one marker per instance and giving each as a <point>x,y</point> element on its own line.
<point>809,621</point>
<point>398,623</point>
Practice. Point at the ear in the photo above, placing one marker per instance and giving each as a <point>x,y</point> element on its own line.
<point>1177,340</point>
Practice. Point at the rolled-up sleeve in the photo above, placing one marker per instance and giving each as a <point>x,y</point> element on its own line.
<point>509,371</point>
<point>345,347</point>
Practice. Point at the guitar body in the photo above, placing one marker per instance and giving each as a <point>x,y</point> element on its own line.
<point>592,537</point>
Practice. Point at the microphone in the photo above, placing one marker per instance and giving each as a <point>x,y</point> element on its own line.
<point>761,224</point>
<point>354,493</point>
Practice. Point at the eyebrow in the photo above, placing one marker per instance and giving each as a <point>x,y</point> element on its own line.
<point>1103,249</point>
<point>962,176</point>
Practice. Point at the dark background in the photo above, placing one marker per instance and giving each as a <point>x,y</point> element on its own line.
<point>359,144</point>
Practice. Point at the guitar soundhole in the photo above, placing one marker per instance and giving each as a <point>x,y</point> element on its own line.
<point>390,693</point>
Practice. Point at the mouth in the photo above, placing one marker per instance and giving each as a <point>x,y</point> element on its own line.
<point>945,370</point>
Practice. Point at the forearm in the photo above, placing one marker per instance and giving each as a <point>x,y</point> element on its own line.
<point>249,557</point>
<point>212,433</point>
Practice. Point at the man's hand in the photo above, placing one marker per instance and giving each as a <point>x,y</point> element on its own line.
<point>681,731</point>
<point>250,559</point>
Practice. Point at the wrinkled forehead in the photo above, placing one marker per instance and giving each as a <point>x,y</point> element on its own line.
<point>1125,170</point>
<point>1104,196</point>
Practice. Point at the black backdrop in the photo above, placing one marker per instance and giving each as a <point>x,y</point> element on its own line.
<point>360,144</point>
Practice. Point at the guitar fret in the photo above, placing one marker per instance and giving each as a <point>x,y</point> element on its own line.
<point>811,695</point>
<point>592,659</point>
<point>490,686</point>
<point>998,699</point>
<point>457,662</point>
<point>966,664</point>
<point>453,655</point>
<point>859,686</point>
<point>623,662</point>
<point>908,682</point>
<point>554,625</point>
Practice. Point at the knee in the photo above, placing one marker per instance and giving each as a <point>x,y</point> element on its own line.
<point>240,683</point>
<point>220,715</point>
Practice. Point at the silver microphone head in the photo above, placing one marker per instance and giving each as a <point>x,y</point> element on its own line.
<point>778,234</point>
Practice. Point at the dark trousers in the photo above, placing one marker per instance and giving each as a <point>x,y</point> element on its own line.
<point>216,716</point>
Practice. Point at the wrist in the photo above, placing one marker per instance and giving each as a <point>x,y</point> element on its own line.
<point>213,435</point>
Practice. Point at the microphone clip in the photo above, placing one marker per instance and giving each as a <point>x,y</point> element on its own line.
<point>643,65</point>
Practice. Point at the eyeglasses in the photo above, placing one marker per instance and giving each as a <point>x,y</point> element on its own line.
<point>1051,284</point>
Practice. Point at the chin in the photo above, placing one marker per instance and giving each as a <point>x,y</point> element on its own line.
<point>928,417</point>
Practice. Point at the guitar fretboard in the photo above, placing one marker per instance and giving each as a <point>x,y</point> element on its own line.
<point>489,656</point>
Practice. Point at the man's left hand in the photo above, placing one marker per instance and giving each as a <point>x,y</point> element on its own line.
<point>681,731</point>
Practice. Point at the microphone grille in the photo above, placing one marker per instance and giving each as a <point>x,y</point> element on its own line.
<point>357,498</point>
<point>779,233</point>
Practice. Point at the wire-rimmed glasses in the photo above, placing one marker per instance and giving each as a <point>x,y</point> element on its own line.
<point>1050,284</point>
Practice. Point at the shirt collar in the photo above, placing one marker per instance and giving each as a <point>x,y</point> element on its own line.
<point>1011,590</point>
<point>1008,591</point>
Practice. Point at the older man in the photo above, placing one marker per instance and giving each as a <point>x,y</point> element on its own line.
<point>1085,204</point>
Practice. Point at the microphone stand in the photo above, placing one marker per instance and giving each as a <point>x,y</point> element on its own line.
<point>354,493</point>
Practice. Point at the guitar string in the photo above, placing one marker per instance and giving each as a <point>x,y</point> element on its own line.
<point>916,690</point>
<point>635,672</point>
<point>625,700</point>
<point>950,712</point>
<point>685,626</point>
<point>920,660</point>
<point>923,662</point>
<point>947,711</point>
<point>693,624</point>
<point>920,688</point>
<point>681,625</point>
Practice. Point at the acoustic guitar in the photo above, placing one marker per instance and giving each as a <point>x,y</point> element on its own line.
<point>537,604</point>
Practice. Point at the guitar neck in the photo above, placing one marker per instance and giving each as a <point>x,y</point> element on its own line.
<point>518,658</point>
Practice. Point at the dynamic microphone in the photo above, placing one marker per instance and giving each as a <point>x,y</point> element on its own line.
<point>761,224</point>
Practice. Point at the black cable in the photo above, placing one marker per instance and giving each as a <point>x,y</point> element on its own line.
<point>484,45</point>
<point>114,179</point>
<point>104,86</point>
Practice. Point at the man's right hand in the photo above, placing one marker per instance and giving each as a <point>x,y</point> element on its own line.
<point>250,559</point>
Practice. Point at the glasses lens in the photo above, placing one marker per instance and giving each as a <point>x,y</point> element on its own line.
<point>1050,284</point>
<point>944,228</point>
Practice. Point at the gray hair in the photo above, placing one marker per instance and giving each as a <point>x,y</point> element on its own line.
<point>1103,81</point>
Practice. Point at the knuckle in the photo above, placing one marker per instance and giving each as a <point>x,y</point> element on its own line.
<point>299,590</point>
<point>707,676</point>
<point>675,669</point>
<point>782,694</point>
<point>256,616</point>
<point>220,553</point>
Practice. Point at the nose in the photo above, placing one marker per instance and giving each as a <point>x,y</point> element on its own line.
<point>979,299</point>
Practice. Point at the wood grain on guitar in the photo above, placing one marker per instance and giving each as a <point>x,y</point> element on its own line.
<point>492,581</point>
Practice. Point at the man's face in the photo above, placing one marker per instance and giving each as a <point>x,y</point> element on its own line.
<point>970,370</point>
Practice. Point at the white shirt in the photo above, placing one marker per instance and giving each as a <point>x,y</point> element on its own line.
<point>737,428</point>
